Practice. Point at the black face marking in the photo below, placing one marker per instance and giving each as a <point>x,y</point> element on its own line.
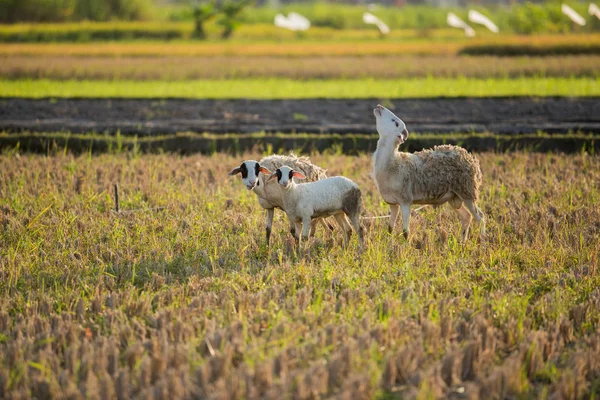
<point>256,169</point>
<point>278,173</point>
<point>244,170</point>
<point>291,174</point>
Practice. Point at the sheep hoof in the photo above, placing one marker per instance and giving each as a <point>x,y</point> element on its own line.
<point>405,233</point>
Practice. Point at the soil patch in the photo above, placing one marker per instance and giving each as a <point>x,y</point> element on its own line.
<point>152,117</point>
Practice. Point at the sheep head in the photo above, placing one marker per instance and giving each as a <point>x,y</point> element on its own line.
<point>285,176</point>
<point>389,125</point>
<point>250,170</point>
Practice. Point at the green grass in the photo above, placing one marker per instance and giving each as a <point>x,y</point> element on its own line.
<point>291,89</point>
<point>187,300</point>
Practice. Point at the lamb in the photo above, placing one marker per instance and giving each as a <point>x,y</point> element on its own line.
<point>336,196</point>
<point>270,195</point>
<point>435,176</point>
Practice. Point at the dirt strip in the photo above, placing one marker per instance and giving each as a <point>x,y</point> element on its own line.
<point>164,116</point>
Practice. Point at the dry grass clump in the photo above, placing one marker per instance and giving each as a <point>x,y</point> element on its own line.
<point>187,302</point>
<point>227,67</point>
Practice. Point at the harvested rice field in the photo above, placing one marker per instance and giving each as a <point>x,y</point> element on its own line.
<point>177,295</point>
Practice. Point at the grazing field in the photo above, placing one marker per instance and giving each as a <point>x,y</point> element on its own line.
<point>297,89</point>
<point>228,67</point>
<point>177,295</point>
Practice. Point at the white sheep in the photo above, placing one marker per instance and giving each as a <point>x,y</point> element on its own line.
<point>336,196</point>
<point>435,176</point>
<point>270,194</point>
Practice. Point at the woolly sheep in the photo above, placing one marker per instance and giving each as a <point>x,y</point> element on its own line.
<point>336,196</point>
<point>270,194</point>
<point>435,176</point>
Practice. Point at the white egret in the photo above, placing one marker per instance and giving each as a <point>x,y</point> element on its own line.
<point>370,19</point>
<point>456,22</point>
<point>478,18</point>
<point>573,15</point>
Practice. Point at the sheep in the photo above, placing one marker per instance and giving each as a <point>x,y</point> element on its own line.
<point>270,195</point>
<point>443,174</point>
<point>336,196</point>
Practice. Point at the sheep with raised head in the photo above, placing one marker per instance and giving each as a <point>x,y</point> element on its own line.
<point>435,176</point>
<point>270,194</point>
<point>302,202</point>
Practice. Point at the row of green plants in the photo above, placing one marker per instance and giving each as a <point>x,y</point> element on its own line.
<point>282,88</point>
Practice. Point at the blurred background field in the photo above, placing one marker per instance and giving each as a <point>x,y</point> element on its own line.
<point>46,46</point>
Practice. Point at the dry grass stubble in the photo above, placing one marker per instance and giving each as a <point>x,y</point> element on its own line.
<point>227,67</point>
<point>187,302</point>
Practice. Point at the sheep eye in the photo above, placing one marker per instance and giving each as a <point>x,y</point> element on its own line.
<point>396,123</point>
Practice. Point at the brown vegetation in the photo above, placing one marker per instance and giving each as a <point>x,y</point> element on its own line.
<point>225,67</point>
<point>187,302</point>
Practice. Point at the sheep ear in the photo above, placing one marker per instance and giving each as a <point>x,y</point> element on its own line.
<point>404,135</point>
<point>273,175</point>
<point>299,175</point>
<point>264,171</point>
<point>235,171</point>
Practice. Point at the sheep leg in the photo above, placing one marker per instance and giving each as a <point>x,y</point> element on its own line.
<point>465,220</point>
<point>325,224</point>
<point>293,229</point>
<point>343,223</point>
<point>270,213</point>
<point>393,217</point>
<point>298,230</point>
<point>355,219</point>
<point>478,215</point>
<point>306,228</point>
<point>313,227</point>
<point>405,218</point>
